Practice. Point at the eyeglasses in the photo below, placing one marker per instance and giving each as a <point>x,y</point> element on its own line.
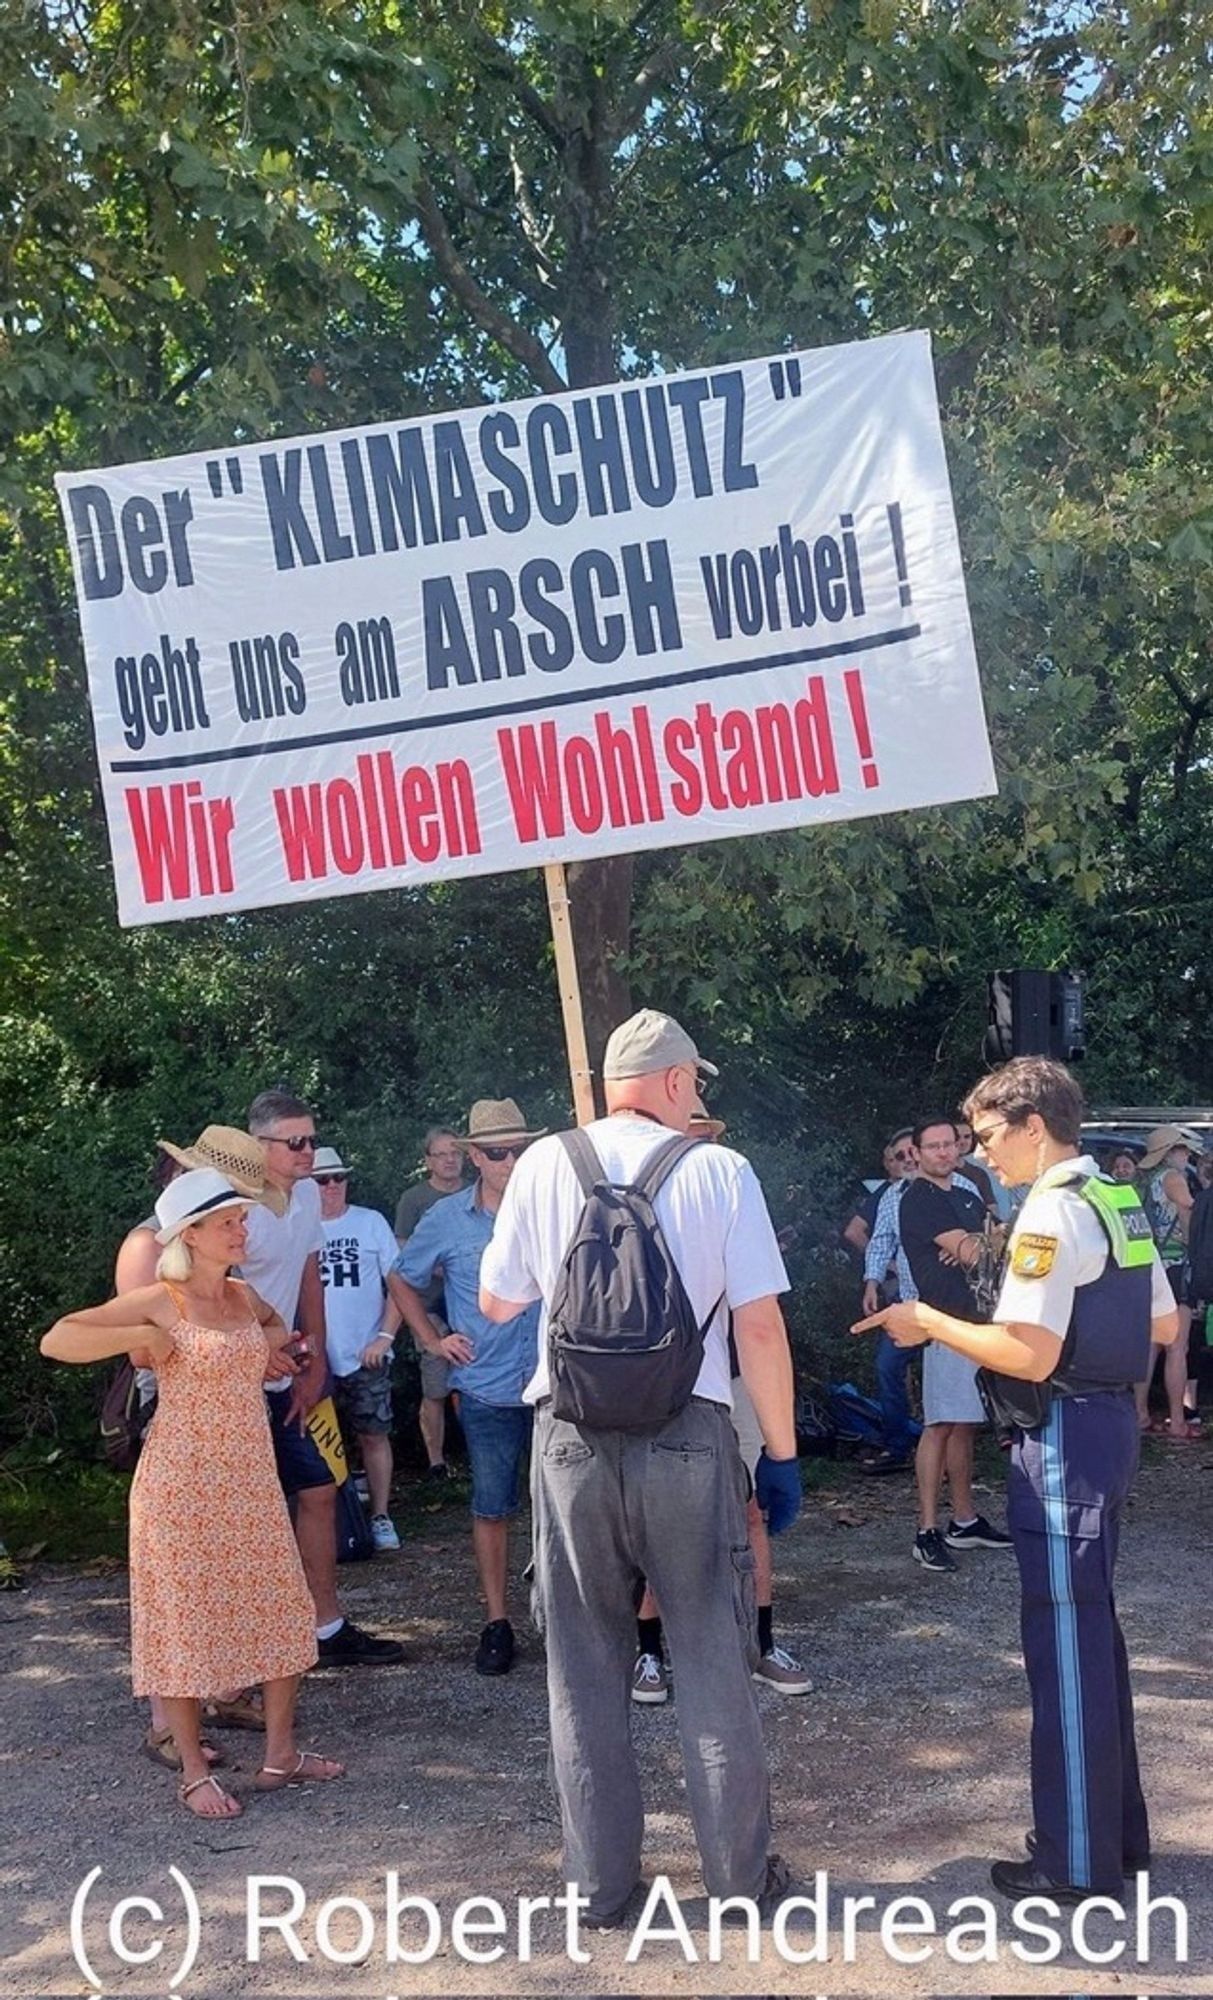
<point>305,1143</point>
<point>499,1153</point>
<point>330,1180</point>
<point>984,1137</point>
<point>903,1158</point>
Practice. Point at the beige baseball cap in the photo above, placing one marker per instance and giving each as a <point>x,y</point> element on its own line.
<point>649,1042</point>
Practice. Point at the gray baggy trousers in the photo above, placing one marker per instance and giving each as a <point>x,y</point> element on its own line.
<point>611,1507</point>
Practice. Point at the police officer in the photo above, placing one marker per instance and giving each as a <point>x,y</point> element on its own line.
<point>1083,1296</point>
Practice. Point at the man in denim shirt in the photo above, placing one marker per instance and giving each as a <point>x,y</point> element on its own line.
<point>490,1363</point>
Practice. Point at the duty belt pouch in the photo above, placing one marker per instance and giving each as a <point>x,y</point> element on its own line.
<point>1012,1404</point>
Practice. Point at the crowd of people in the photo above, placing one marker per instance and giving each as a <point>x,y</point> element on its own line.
<point>935,1226</point>
<point>605,1304</point>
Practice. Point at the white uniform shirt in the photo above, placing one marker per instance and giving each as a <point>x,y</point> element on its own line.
<point>278,1249</point>
<point>711,1210</point>
<point>359,1251</point>
<point>1061,1236</point>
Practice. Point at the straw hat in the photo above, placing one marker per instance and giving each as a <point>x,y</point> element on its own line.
<point>496,1121</point>
<point>191,1197</point>
<point>1161,1141</point>
<point>234,1154</point>
<point>703,1125</point>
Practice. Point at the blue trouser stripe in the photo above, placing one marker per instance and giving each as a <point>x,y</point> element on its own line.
<point>1065,1632</point>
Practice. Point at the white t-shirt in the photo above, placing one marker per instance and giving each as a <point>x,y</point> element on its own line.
<point>1058,1243</point>
<point>359,1251</point>
<point>278,1249</point>
<point>712,1214</point>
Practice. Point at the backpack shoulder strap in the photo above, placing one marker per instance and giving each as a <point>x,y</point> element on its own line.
<point>586,1164</point>
<point>660,1167</point>
<point>664,1161</point>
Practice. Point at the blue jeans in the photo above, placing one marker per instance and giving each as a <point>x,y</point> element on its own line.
<point>497,1436</point>
<point>891,1365</point>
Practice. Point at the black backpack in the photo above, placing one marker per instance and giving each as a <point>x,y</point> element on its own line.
<point>624,1346</point>
<point>1200,1248</point>
<point>124,1419</point>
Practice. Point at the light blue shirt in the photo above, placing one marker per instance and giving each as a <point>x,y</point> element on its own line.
<point>452,1237</point>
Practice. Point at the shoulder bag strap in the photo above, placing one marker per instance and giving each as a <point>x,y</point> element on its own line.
<point>664,1161</point>
<point>586,1164</point>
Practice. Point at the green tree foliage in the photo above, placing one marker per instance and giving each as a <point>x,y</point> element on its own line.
<point>219,223</point>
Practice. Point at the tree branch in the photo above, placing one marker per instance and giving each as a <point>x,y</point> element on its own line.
<point>502,63</point>
<point>184,383</point>
<point>529,221</point>
<point>515,339</point>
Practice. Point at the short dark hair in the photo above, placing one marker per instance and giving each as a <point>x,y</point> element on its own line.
<point>271,1107</point>
<point>438,1132</point>
<point>1030,1084</point>
<point>926,1124</point>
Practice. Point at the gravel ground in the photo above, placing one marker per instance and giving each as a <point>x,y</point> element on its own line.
<point>901,1774</point>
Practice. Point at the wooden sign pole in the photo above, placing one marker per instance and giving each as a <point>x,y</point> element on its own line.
<point>570,992</point>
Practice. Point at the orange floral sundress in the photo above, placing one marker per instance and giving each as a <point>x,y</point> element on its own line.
<point>218,1595</point>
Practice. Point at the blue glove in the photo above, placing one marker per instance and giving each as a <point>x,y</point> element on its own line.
<point>777,1491</point>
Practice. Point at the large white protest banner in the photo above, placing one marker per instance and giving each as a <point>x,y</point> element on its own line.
<point>704,605</point>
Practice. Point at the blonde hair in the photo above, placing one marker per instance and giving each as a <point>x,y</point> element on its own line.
<point>175,1262</point>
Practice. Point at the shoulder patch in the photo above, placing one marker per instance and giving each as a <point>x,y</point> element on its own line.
<point>1032,1256</point>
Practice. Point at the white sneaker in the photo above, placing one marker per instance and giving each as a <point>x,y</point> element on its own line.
<point>383,1534</point>
<point>780,1671</point>
<point>650,1679</point>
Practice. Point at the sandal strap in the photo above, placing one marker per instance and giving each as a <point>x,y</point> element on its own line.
<point>187,1791</point>
<point>277,1770</point>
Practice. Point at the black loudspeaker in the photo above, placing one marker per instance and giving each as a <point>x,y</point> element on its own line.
<point>1034,1014</point>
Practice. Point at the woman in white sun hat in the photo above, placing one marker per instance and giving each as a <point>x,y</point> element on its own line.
<point>240,1611</point>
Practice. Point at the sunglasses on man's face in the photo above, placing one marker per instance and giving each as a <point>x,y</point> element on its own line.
<point>330,1180</point>
<point>904,1158</point>
<point>499,1153</point>
<point>305,1143</point>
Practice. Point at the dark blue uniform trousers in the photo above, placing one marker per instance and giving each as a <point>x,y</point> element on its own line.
<point>1068,1483</point>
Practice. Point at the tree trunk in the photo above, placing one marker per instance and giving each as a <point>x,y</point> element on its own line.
<point>600,892</point>
<point>600,908</point>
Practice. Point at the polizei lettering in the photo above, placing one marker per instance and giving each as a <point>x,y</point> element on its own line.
<point>603,453</point>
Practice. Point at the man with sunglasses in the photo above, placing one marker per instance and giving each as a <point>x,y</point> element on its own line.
<point>897,1162</point>
<point>361,1322</point>
<point>490,1363</point>
<point>282,1263</point>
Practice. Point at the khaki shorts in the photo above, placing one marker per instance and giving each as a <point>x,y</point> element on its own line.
<point>435,1368</point>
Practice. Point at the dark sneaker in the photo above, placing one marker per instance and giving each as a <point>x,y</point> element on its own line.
<point>495,1653</point>
<point>352,1647</point>
<point>626,1916</point>
<point>979,1534</point>
<point>776,1886</point>
<point>439,1471</point>
<point>1023,1878</point>
<point>931,1550</point>
<point>650,1680</point>
<point>783,1671</point>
